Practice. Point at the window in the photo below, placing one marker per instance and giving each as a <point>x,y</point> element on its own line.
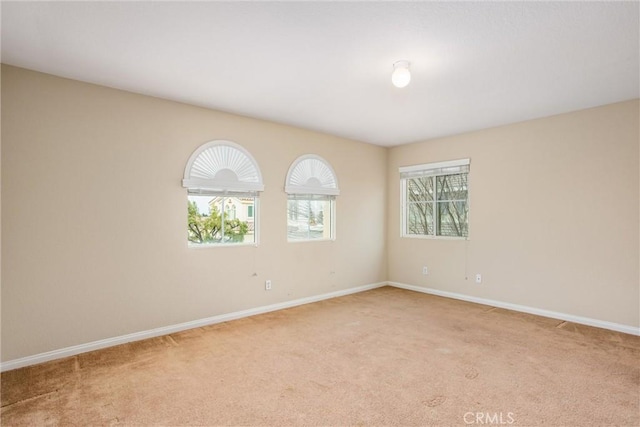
<point>435,199</point>
<point>312,187</point>
<point>223,184</point>
<point>309,218</point>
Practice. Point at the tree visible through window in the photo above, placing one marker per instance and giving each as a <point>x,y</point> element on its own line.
<point>206,224</point>
<point>435,199</point>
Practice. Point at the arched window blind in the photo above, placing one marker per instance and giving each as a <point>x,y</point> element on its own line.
<point>222,166</point>
<point>311,174</point>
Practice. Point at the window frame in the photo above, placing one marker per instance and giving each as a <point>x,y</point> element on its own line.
<point>432,170</point>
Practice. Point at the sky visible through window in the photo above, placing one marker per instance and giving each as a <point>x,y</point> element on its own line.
<point>203,203</point>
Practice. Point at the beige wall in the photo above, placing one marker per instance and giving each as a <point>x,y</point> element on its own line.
<point>94,215</point>
<point>553,215</point>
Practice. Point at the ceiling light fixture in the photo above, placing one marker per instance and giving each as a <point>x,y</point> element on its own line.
<point>401,75</point>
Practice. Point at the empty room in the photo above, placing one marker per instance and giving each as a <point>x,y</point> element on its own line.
<point>320,213</point>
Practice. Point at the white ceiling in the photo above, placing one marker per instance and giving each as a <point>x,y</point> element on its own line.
<point>327,66</point>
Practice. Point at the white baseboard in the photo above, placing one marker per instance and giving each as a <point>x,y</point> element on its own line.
<point>524,309</point>
<point>137,336</point>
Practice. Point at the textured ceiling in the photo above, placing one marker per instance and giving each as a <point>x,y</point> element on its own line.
<point>326,66</point>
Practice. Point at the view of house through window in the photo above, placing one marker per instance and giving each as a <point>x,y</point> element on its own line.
<point>207,224</point>
<point>309,218</point>
<point>435,199</point>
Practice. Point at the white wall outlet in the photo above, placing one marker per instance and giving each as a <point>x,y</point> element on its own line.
<point>267,285</point>
<point>425,270</point>
<point>478,278</point>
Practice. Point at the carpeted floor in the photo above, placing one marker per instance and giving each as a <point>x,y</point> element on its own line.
<point>382,357</point>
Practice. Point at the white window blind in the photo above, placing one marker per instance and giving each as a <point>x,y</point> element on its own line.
<point>433,169</point>
<point>222,167</point>
<point>311,174</point>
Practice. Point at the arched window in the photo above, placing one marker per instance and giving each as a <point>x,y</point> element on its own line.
<point>219,176</point>
<point>312,187</point>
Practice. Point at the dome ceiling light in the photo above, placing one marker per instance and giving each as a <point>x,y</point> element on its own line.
<point>401,75</point>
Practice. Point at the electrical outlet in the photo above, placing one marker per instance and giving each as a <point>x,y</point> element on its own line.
<point>425,270</point>
<point>478,278</point>
<point>267,285</point>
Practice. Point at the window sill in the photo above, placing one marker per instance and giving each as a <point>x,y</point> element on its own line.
<point>310,240</point>
<point>430,237</point>
<point>219,245</point>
